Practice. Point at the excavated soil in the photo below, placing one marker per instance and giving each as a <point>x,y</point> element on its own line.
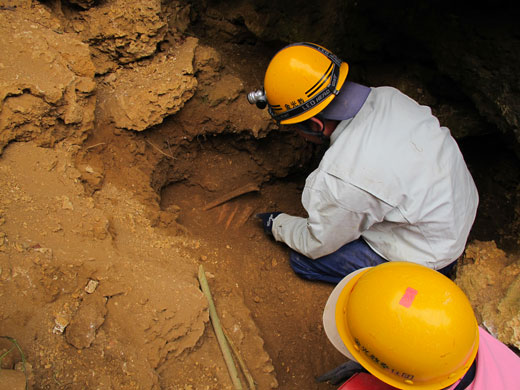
<point>101,243</point>
<point>103,228</point>
<point>146,324</point>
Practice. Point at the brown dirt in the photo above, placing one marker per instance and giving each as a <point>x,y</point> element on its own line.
<point>101,238</point>
<point>119,212</point>
<point>55,240</point>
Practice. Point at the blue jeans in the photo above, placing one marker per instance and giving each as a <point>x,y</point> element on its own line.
<point>335,266</point>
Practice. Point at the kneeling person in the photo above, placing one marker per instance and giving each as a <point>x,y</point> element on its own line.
<point>392,185</point>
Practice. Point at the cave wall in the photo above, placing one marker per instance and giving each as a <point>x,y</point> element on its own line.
<point>476,45</point>
<point>462,60</point>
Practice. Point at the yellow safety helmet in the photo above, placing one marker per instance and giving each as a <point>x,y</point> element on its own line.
<point>408,325</point>
<point>300,81</point>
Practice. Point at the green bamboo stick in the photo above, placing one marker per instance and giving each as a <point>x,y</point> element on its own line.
<point>241,363</point>
<point>224,347</point>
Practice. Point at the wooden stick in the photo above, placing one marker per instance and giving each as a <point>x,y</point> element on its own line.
<point>241,363</point>
<point>244,216</point>
<point>231,217</point>
<point>224,347</point>
<point>159,150</point>
<point>250,187</point>
<point>223,213</point>
<point>93,146</point>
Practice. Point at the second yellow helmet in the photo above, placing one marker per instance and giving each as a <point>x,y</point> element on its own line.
<point>408,325</point>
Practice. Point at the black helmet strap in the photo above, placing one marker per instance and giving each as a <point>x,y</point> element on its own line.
<point>311,103</point>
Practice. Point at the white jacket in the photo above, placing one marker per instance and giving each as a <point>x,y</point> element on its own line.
<point>395,177</point>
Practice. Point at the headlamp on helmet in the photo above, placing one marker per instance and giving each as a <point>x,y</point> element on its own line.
<point>257,97</point>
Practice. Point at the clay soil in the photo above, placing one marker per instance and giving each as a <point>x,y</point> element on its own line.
<point>100,248</point>
<point>56,239</point>
<point>101,243</point>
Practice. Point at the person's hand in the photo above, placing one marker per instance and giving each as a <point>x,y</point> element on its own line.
<point>341,373</point>
<point>267,220</point>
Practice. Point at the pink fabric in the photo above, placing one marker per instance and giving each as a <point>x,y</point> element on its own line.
<point>498,368</point>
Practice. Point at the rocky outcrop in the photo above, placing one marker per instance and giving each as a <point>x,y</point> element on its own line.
<point>46,80</point>
<point>477,48</point>
<point>121,31</point>
<point>491,280</point>
<point>124,325</point>
<point>469,55</point>
<point>142,96</point>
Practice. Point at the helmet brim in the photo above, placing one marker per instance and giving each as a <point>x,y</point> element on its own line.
<point>329,315</point>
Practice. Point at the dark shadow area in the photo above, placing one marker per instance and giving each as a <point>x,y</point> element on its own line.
<point>496,171</point>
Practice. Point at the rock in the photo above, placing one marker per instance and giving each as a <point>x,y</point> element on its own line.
<point>491,280</point>
<point>91,286</point>
<point>46,81</point>
<point>12,380</point>
<point>85,4</point>
<point>125,31</point>
<point>208,64</point>
<point>81,331</point>
<point>143,96</point>
<point>60,323</point>
<point>227,89</point>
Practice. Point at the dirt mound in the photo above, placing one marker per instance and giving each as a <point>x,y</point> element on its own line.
<point>90,296</point>
<point>491,279</point>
